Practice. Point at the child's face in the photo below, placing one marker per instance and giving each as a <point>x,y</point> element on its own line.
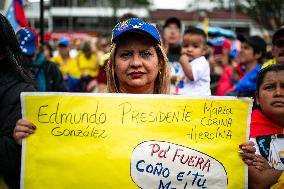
<point>193,46</point>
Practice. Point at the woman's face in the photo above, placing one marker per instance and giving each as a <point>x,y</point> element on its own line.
<point>136,64</point>
<point>271,94</point>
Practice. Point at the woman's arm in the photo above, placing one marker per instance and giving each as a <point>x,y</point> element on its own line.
<point>262,179</point>
<point>260,174</point>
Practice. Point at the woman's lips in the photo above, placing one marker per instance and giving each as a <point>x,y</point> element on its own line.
<point>278,103</point>
<point>136,74</point>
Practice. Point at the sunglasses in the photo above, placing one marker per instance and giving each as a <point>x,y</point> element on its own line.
<point>171,30</point>
<point>279,43</point>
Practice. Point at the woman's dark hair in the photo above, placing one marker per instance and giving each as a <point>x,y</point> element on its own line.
<point>172,20</point>
<point>261,74</point>
<point>10,49</point>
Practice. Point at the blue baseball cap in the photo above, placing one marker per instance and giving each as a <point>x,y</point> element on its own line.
<point>28,40</point>
<point>135,24</point>
<point>64,41</point>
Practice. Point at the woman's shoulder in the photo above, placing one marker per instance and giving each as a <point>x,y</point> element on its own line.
<point>12,89</point>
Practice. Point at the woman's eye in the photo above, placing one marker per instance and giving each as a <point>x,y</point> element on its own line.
<point>269,87</point>
<point>146,54</point>
<point>125,55</point>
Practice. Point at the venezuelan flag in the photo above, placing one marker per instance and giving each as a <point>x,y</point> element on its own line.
<point>15,13</point>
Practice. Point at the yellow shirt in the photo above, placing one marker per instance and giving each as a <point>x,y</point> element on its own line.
<point>268,63</point>
<point>280,183</point>
<point>69,67</point>
<point>88,66</point>
<point>3,184</point>
<point>104,58</point>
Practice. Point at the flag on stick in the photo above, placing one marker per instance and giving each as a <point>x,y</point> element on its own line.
<point>15,13</point>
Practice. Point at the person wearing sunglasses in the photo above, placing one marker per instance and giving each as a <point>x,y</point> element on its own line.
<point>277,48</point>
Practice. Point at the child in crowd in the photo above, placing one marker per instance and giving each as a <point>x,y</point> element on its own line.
<point>194,78</point>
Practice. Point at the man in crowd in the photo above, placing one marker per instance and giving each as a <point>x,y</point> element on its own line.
<point>253,50</point>
<point>277,48</point>
<point>46,74</point>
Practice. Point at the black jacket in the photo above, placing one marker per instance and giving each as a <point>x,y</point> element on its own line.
<point>10,112</point>
<point>53,77</point>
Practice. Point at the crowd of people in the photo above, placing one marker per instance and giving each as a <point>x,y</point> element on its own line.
<point>140,59</point>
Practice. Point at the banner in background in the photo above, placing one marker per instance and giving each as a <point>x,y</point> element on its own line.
<point>134,141</point>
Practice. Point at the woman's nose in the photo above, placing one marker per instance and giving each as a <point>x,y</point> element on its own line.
<point>279,91</point>
<point>136,60</point>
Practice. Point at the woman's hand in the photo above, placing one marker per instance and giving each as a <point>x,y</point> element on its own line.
<point>22,130</point>
<point>261,163</point>
<point>248,152</point>
<point>251,159</point>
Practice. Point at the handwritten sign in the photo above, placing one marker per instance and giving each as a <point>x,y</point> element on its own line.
<point>164,165</point>
<point>134,141</point>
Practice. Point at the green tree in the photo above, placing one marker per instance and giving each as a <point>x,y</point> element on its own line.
<point>267,13</point>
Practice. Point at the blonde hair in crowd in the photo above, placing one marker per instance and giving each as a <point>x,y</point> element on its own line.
<point>162,83</point>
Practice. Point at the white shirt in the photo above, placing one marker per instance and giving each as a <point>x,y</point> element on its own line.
<point>276,152</point>
<point>201,75</point>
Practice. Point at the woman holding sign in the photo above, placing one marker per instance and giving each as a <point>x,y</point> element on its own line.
<point>266,129</point>
<point>137,61</point>
<point>13,80</point>
<point>137,65</point>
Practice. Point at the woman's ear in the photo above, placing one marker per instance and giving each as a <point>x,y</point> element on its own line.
<point>257,98</point>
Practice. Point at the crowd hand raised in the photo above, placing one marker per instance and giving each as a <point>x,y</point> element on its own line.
<point>23,129</point>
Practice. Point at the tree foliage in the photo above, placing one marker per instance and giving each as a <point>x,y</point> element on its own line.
<point>267,13</point>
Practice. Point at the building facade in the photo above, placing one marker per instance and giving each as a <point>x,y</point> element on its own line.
<point>99,16</point>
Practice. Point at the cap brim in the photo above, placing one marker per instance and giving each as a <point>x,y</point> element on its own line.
<point>31,50</point>
<point>63,45</point>
<point>135,30</point>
